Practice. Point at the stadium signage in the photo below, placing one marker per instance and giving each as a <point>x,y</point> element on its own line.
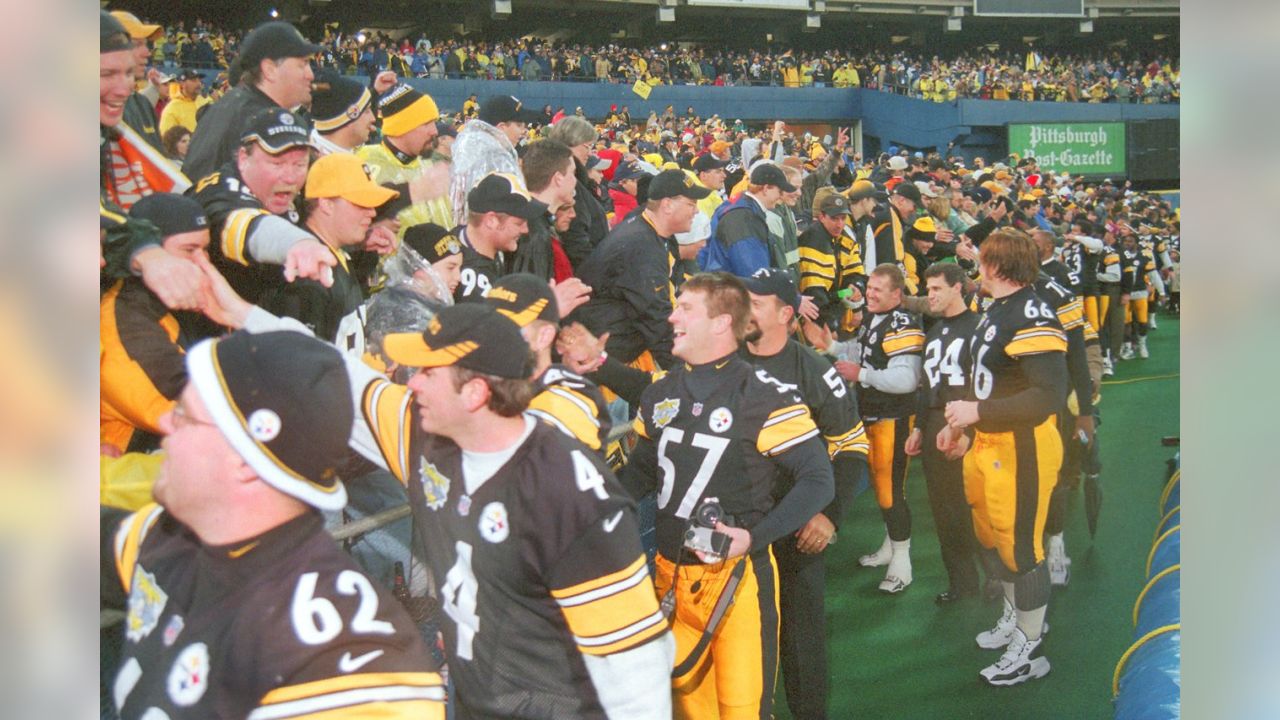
<point>1077,148</point>
<point>1029,8</point>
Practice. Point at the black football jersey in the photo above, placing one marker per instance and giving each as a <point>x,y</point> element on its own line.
<point>1013,327</point>
<point>281,625</point>
<point>1066,305</point>
<point>479,273</point>
<point>539,566</point>
<point>946,359</point>
<point>233,213</point>
<point>881,338</point>
<point>716,430</point>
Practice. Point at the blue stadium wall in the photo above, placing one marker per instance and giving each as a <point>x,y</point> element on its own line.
<point>976,126</point>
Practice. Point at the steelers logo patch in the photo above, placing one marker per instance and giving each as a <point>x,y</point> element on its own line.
<point>286,118</point>
<point>189,676</point>
<point>264,425</point>
<point>991,334</point>
<point>721,419</point>
<point>494,526</point>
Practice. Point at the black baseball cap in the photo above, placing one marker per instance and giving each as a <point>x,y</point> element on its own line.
<point>507,108</point>
<point>523,298</point>
<point>627,171</point>
<point>275,130</point>
<point>772,281</point>
<point>675,183</point>
<point>173,214</point>
<point>474,336</point>
<point>770,174</point>
<point>834,204</point>
<point>707,161</point>
<point>283,402</point>
<point>504,193</point>
<point>271,41</point>
<point>908,190</point>
<point>433,242</point>
<point>979,195</point>
<point>188,74</point>
<point>112,36</point>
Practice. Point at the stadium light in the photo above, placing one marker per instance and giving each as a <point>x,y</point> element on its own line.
<point>666,14</point>
<point>1086,26</point>
<point>812,22</point>
<point>275,13</point>
<point>500,10</point>
<point>819,6</point>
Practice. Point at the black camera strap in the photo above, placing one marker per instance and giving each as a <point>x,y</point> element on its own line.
<point>726,598</point>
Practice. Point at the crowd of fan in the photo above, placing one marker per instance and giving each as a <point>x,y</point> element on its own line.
<point>333,215</point>
<point>981,73</point>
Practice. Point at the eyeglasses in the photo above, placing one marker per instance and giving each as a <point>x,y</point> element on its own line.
<point>182,419</point>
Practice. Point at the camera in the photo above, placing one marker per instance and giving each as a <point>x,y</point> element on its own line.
<point>701,535</point>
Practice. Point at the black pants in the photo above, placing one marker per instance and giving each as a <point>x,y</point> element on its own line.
<point>803,632</point>
<point>1112,334</point>
<point>952,515</point>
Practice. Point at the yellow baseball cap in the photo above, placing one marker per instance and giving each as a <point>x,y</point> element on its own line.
<point>343,175</point>
<point>137,29</point>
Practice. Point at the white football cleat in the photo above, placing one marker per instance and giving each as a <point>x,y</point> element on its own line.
<point>1021,661</point>
<point>999,636</point>
<point>1151,322</point>
<point>1142,348</point>
<point>1107,369</point>
<point>1058,562</point>
<point>1126,351</point>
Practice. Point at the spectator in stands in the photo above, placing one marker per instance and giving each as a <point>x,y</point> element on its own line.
<point>739,241</point>
<point>271,71</point>
<point>549,173</point>
<point>341,114</point>
<point>408,134</point>
<point>592,223</point>
<point>184,105</point>
<point>176,141</point>
<point>140,112</point>
<point>487,144</point>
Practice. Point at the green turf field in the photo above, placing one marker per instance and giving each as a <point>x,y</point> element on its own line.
<point>904,657</point>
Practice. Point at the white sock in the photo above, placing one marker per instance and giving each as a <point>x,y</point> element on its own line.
<point>1031,622</point>
<point>900,563</point>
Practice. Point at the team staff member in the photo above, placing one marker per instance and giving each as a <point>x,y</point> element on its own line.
<point>239,603</point>
<point>946,368</point>
<point>341,200</point>
<point>1017,385</point>
<point>633,274</point>
<point>716,427</point>
<point>565,399</point>
<point>888,348</point>
<point>830,261</point>
<point>740,241</point>
<point>251,213</point>
<point>890,226</point>
<point>551,611</point>
<point>801,573</point>
<point>499,211</point>
<point>272,70</point>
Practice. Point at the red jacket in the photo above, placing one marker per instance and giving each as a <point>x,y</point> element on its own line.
<point>623,203</point>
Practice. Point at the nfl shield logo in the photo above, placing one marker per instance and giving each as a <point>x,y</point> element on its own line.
<point>697,409</point>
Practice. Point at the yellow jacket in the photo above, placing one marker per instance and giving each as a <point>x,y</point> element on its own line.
<point>181,111</point>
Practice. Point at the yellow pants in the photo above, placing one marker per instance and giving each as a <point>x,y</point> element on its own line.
<point>734,679</point>
<point>1091,313</point>
<point>1137,308</point>
<point>1008,478</point>
<point>888,458</point>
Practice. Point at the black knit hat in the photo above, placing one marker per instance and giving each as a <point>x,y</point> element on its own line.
<point>283,402</point>
<point>471,335</point>
<point>432,242</point>
<point>337,101</point>
<point>524,297</point>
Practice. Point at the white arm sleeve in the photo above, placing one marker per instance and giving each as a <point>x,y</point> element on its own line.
<point>360,375</point>
<point>1093,245</point>
<point>271,239</point>
<point>635,684</point>
<point>902,376</point>
<point>1157,282</point>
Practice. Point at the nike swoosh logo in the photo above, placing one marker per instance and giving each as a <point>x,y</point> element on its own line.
<point>347,664</point>
<point>611,523</point>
